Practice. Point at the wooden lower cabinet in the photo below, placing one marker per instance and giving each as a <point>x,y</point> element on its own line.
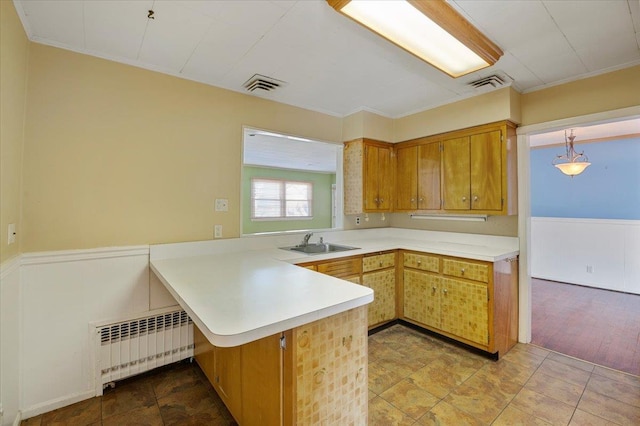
<point>320,377</point>
<point>471,301</point>
<point>464,310</point>
<point>422,297</point>
<point>383,307</point>
<point>379,274</point>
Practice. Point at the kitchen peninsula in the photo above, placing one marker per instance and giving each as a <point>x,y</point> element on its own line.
<point>283,344</point>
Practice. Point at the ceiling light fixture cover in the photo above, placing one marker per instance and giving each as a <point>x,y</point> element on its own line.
<point>429,29</point>
<point>572,163</point>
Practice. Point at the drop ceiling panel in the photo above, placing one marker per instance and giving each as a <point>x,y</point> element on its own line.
<point>331,63</point>
<point>522,76</point>
<point>597,56</point>
<point>588,22</point>
<point>510,24</point>
<point>217,53</point>
<point>559,67</point>
<point>116,27</point>
<point>58,23</point>
<point>173,35</point>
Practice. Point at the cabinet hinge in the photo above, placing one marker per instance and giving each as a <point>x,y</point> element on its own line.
<point>283,342</point>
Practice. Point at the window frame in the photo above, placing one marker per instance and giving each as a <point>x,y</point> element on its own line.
<point>282,199</point>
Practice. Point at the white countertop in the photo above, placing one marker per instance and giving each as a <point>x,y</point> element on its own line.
<point>240,290</point>
<point>238,298</point>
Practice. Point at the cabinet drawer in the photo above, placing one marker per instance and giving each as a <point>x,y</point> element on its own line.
<point>342,268</point>
<point>469,270</point>
<point>423,262</point>
<point>378,261</point>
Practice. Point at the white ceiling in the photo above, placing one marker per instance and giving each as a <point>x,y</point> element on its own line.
<point>330,63</point>
<point>270,149</point>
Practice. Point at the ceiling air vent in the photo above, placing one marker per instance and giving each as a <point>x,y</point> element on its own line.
<point>491,81</point>
<point>262,82</point>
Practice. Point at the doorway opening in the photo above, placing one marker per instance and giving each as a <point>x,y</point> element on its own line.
<point>584,233</point>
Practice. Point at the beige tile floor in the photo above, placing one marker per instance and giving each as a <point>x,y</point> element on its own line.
<point>419,380</point>
<point>413,380</point>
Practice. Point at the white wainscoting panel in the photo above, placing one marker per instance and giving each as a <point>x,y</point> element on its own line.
<point>600,253</point>
<point>10,340</point>
<point>62,292</point>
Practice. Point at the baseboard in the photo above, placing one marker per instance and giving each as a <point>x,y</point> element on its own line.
<point>45,407</point>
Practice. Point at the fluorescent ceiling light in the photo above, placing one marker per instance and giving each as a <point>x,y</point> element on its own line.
<point>429,29</point>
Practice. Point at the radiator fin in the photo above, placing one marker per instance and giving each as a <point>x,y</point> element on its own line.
<point>132,347</point>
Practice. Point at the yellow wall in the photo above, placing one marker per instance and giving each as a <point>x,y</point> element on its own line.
<point>481,109</point>
<point>365,124</point>
<point>606,92</point>
<point>117,155</point>
<point>14,47</point>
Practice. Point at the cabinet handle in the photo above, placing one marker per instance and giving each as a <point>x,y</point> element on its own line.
<point>464,198</point>
<point>475,198</point>
<point>421,199</point>
<point>381,200</point>
<point>381,263</point>
<point>462,271</point>
<point>435,289</point>
<point>444,290</point>
<point>419,262</point>
<point>376,200</point>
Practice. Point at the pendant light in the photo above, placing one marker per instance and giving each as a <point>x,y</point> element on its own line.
<point>572,163</point>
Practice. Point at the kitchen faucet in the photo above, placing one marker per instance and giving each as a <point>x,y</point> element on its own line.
<point>305,240</point>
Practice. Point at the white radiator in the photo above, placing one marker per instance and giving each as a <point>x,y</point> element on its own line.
<point>131,347</point>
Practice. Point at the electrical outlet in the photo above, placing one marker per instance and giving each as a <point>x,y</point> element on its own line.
<point>217,231</point>
<point>11,233</point>
<point>222,205</point>
<point>589,269</point>
<point>357,220</point>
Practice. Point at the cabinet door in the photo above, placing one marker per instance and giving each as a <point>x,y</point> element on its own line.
<point>383,284</point>
<point>261,377</point>
<point>227,378</point>
<point>422,297</point>
<point>429,176</point>
<point>486,171</point>
<point>407,178</point>
<point>377,178</point>
<point>371,177</point>
<point>465,311</point>
<point>385,181</point>
<point>456,174</point>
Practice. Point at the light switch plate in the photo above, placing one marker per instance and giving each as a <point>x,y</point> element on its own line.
<point>222,205</point>
<point>217,231</point>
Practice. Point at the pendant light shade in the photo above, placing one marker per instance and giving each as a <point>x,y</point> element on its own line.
<point>572,163</point>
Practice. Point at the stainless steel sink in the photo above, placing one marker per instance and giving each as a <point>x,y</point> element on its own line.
<point>319,248</point>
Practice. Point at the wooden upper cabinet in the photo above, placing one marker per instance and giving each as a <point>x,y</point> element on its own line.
<point>456,166</point>
<point>479,170</point>
<point>368,176</point>
<point>406,178</point>
<point>429,176</point>
<point>418,177</point>
<point>377,173</point>
<point>486,171</point>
